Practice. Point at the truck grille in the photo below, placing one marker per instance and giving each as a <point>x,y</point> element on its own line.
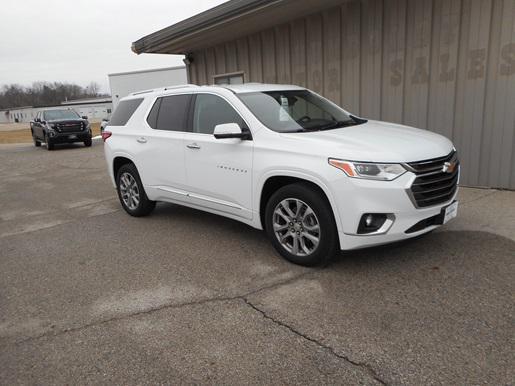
<point>436,182</point>
<point>71,127</point>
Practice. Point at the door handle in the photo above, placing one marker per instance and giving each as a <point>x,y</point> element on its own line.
<point>142,140</point>
<point>193,146</point>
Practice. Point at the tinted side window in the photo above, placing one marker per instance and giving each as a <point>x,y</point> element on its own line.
<point>173,111</point>
<point>124,112</point>
<point>211,110</point>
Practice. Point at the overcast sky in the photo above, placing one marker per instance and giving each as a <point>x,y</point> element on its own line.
<point>80,41</point>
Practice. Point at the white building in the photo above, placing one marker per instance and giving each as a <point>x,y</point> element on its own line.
<point>124,83</point>
<point>95,109</point>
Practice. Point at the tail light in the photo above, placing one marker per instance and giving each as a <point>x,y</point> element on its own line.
<point>105,135</point>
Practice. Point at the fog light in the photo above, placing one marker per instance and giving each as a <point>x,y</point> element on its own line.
<point>372,222</point>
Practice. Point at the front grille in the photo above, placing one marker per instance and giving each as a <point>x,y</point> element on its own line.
<point>69,127</point>
<point>433,185</point>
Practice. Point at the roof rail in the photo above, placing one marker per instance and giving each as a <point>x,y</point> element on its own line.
<point>162,88</point>
<point>141,92</point>
<point>179,86</point>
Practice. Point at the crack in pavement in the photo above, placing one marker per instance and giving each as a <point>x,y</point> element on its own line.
<point>365,366</point>
<point>96,323</point>
<point>122,317</point>
<point>244,298</point>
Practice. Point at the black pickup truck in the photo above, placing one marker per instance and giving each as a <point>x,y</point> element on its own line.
<point>60,126</point>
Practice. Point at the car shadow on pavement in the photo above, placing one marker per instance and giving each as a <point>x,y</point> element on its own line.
<point>438,247</point>
<point>441,246</point>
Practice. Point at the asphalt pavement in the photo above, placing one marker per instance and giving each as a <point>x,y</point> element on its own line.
<point>89,294</point>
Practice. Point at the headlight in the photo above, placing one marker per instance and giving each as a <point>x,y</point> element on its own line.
<point>368,170</point>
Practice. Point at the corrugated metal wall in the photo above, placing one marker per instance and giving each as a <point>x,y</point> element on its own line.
<point>443,65</point>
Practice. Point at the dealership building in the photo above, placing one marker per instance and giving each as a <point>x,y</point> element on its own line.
<point>443,65</point>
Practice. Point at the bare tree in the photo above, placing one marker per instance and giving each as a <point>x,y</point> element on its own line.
<point>45,94</point>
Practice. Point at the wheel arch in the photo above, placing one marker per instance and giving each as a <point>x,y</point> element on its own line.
<point>271,183</point>
<point>118,162</point>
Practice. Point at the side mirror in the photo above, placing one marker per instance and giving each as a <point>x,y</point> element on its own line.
<point>229,130</point>
<point>84,117</point>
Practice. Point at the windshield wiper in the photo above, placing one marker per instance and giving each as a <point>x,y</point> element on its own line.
<point>334,125</point>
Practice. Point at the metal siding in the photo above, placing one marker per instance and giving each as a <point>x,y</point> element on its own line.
<point>210,64</point>
<point>256,58</point>
<point>231,57</point>
<point>394,41</point>
<point>201,73</point>
<point>282,54</point>
<point>314,53</point>
<point>444,65</point>
<point>351,58</point>
<point>418,51</point>
<point>220,59</point>
<point>242,45</point>
<point>298,52</point>
<point>499,125</point>
<point>444,60</point>
<point>332,59</point>
<point>472,85</point>
<point>371,61</point>
<point>269,63</point>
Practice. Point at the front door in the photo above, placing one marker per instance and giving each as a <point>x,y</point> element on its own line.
<point>218,171</point>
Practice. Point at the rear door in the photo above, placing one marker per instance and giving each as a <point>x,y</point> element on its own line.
<point>161,151</point>
<point>219,171</point>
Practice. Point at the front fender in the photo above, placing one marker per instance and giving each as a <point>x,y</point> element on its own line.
<point>300,174</point>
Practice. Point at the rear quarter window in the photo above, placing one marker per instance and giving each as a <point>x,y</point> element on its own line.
<point>124,112</point>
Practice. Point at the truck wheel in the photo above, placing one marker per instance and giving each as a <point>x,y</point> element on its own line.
<point>301,226</point>
<point>131,193</point>
<point>49,144</point>
<point>87,142</point>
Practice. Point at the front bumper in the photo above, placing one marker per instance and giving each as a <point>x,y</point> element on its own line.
<point>355,197</point>
<point>80,136</point>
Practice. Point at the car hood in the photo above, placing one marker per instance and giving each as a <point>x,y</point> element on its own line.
<point>374,141</point>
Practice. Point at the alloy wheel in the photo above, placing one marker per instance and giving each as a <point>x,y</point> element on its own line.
<point>129,191</point>
<point>296,226</point>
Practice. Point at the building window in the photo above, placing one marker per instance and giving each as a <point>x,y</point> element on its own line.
<point>233,78</point>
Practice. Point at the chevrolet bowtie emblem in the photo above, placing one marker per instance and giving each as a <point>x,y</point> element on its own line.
<point>449,167</point>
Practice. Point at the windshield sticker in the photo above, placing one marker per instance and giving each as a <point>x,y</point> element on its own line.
<point>284,116</point>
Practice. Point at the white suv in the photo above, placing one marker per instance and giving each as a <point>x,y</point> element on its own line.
<point>283,159</point>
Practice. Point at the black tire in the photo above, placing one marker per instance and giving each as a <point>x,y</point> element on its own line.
<point>328,244</point>
<point>36,142</point>
<point>145,206</point>
<point>88,142</point>
<point>49,144</point>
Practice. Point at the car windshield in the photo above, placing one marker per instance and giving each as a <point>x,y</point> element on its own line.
<point>297,111</point>
<point>54,115</point>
